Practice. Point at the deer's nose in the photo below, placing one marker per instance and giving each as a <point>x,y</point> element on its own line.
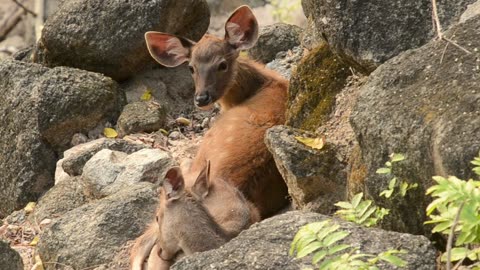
<point>203,99</point>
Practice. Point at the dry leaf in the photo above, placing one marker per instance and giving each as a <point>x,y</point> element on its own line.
<point>110,133</point>
<point>164,132</point>
<point>35,241</point>
<point>38,263</point>
<point>29,208</point>
<point>182,121</point>
<point>315,143</point>
<point>147,95</point>
<point>45,222</point>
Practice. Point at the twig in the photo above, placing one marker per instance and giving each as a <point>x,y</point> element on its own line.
<point>25,8</point>
<point>456,45</point>
<point>458,263</point>
<point>450,237</point>
<point>436,19</point>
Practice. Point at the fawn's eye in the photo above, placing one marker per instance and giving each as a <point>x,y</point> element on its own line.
<point>223,66</point>
<point>192,70</point>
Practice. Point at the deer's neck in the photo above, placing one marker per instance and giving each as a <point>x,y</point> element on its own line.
<point>249,77</point>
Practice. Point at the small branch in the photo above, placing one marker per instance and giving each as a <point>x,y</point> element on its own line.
<point>436,19</point>
<point>25,8</point>
<point>456,45</point>
<point>450,237</point>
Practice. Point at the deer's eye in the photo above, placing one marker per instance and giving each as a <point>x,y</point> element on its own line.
<point>223,66</point>
<point>192,70</point>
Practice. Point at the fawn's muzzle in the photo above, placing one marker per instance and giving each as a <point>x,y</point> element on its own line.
<point>203,99</point>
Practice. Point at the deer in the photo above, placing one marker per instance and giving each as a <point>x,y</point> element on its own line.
<point>251,99</point>
<point>186,223</point>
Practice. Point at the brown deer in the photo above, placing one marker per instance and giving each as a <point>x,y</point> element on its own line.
<point>184,223</point>
<point>252,99</point>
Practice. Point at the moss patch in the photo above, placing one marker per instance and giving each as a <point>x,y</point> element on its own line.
<point>313,87</point>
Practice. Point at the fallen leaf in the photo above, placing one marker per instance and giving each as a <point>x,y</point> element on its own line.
<point>164,132</point>
<point>45,222</point>
<point>110,133</point>
<point>147,95</point>
<point>35,241</point>
<point>182,121</point>
<point>29,208</point>
<point>315,143</point>
<point>38,263</point>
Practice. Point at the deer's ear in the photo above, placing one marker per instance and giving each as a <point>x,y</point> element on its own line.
<point>168,50</point>
<point>173,184</point>
<point>241,29</point>
<point>202,184</point>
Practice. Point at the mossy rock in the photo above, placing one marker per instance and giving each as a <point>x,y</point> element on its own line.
<point>313,87</point>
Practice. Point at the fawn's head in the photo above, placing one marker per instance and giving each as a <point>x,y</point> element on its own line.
<point>211,60</point>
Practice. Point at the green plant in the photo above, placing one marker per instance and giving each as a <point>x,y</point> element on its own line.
<point>392,185</point>
<point>457,214</point>
<point>321,239</point>
<point>362,212</point>
<point>283,10</point>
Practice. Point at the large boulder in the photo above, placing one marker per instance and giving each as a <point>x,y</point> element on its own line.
<point>93,233</point>
<point>107,172</point>
<point>425,104</point>
<point>367,33</point>
<point>106,36</point>
<point>275,38</point>
<point>319,77</point>
<point>9,258</point>
<point>141,116</point>
<point>266,244</point>
<point>315,178</point>
<point>41,109</point>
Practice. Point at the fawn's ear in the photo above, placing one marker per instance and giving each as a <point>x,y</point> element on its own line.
<point>202,184</point>
<point>241,29</point>
<point>168,50</point>
<point>173,184</point>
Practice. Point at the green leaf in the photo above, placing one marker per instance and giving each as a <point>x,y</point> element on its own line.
<point>311,247</point>
<point>392,259</point>
<point>456,254</point>
<point>334,237</point>
<point>387,193</point>
<point>337,248</point>
<point>392,183</point>
<point>344,205</point>
<point>397,158</point>
<point>319,256</point>
<point>383,171</point>
<point>356,199</point>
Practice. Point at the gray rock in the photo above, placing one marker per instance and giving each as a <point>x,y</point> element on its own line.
<point>273,39</point>
<point>284,62</point>
<point>266,244</point>
<point>107,172</point>
<point>221,7</point>
<point>61,198</point>
<point>76,157</point>
<point>41,109</point>
<point>425,103</point>
<point>108,36</point>
<point>316,179</point>
<point>91,234</point>
<point>369,33</point>
<point>171,87</point>
<point>9,258</point>
<point>141,116</point>
<point>472,11</point>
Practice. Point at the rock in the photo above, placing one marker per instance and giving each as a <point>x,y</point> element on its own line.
<point>472,11</point>
<point>91,234</point>
<point>141,116</point>
<point>112,43</point>
<point>368,34</point>
<point>273,39</point>
<point>285,62</point>
<point>107,172</point>
<point>40,110</point>
<point>266,244</point>
<point>61,198</point>
<point>173,88</point>
<point>316,179</point>
<point>76,157</point>
<point>319,77</point>
<point>220,7</point>
<point>424,104</point>
<point>9,258</point>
